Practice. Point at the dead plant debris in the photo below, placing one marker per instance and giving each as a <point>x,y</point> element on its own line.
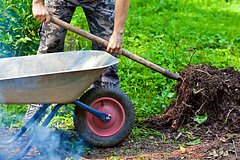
<point>204,90</point>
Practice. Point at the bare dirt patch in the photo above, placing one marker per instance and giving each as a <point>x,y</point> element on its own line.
<point>224,147</point>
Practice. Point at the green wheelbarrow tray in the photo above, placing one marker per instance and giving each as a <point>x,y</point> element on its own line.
<point>51,78</point>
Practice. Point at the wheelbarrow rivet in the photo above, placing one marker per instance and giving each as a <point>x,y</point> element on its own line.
<point>108,117</point>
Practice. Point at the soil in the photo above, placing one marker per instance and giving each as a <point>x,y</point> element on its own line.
<point>172,146</point>
<point>203,122</point>
<point>205,90</point>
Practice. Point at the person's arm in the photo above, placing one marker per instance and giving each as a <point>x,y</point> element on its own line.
<point>40,11</point>
<point>116,39</point>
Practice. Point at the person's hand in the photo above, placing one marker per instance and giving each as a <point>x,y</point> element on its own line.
<point>115,43</point>
<point>40,12</point>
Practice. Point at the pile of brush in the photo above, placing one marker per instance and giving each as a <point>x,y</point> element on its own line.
<point>205,90</point>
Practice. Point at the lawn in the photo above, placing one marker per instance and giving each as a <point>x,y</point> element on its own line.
<point>171,34</point>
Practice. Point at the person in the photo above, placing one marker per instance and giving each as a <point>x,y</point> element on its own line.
<point>106,19</point>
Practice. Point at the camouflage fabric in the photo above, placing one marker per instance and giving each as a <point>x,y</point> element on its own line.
<point>100,17</point>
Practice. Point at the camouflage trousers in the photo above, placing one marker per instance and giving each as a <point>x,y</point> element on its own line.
<point>100,17</point>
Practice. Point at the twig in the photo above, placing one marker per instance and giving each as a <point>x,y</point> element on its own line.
<point>188,105</point>
<point>203,72</point>
<point>200,108</point>
<point>236,154</point>
<point>178,136</point>
<point>199,90</point>
<point>229,114</point>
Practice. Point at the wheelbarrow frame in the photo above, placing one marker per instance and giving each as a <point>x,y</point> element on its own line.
<point>39,115</point>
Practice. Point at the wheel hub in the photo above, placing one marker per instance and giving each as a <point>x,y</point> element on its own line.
<point>116,117</point>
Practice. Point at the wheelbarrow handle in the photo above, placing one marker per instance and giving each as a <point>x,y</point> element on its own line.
<point>126,53</point>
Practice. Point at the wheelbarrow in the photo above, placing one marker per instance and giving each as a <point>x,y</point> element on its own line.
<point>104,115</point>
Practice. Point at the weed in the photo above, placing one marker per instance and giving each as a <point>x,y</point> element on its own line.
<point>199,119</point>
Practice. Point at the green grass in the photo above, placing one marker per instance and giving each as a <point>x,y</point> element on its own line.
<point>174,34</point>
<point>171,34</point>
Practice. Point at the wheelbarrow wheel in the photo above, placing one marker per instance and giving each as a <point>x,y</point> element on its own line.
<point>110,100</point>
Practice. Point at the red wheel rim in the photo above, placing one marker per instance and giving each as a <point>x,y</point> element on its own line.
<point>109,106</point>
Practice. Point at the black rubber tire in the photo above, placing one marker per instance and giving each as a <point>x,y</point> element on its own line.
<point>80,116</point>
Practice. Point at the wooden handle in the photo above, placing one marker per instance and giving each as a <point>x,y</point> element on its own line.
<point>122,51</point>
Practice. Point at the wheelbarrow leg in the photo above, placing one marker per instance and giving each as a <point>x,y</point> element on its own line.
<point>103,116</point>
<point>37,115</point>
<point>44,124</point>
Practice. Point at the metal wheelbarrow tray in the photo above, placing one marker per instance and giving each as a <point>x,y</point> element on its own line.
<point>50,78</point>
